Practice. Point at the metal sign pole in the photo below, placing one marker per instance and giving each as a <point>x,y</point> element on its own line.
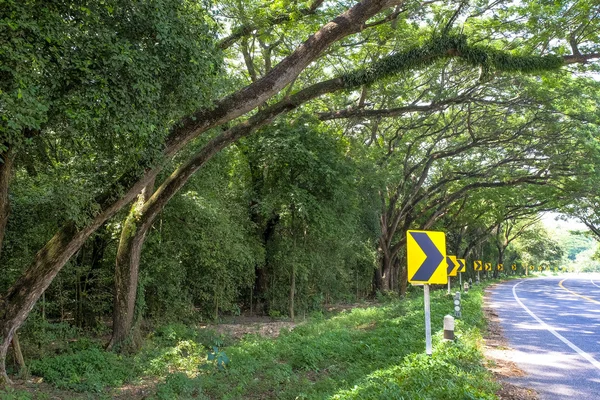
<point>459,280</point>
<point>448,285</point>
<point>428,346</point>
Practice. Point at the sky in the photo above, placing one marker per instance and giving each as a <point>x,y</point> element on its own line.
<point>556,221</point>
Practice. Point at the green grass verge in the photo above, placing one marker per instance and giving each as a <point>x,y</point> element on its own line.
<point>369,353</point>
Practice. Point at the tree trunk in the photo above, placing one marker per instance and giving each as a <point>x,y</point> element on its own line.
<point>395,275</point>
<point>292,291</point>
<point>386,271</point>
<point>403,280</point>
<point>5,175</point>
<point>402,274</point>
<point>6,164</point>
<point>18,353</point>
<point>3,375</point>
<point>261,274</point>
<point>127,272</point>
<point>89,280</point>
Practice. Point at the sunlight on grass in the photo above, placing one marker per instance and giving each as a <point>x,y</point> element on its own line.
<point>365,353</point>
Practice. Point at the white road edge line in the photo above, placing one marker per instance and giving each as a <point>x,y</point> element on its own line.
<point>552,331</point>
<point>593,283</point>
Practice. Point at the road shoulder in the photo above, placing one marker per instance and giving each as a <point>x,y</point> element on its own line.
<point>498,360</point>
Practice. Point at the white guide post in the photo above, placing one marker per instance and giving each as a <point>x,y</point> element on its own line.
<point>428,346</point>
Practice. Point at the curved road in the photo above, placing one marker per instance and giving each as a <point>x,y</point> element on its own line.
<point>553,327</point>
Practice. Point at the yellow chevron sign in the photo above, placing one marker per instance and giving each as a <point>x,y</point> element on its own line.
<point>478,265</point>
<point>488,266</point>
<point>452,265</point>
<point>426,257</point>
<point>500,267</point>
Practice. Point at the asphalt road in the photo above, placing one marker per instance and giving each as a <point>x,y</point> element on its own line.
<point>553,327</point>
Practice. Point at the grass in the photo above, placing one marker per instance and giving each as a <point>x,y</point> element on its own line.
<point>367,353</point>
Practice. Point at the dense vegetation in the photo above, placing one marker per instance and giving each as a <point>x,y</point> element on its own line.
<point>172,161</point>
<point>371,352</point>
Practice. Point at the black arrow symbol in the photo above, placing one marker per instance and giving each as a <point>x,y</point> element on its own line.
<point>451,264</point>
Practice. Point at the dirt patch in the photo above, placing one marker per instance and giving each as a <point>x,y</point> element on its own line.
<point>244,325</point>
<point>496,351</point>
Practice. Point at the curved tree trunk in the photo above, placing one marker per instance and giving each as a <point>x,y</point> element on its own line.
<point>6,166</point>
<point>386,271</point>
<point>127,272</point>
<point>22,296</point>
<point>5,174</point>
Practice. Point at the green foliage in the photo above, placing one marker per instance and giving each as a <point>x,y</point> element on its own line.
<point>219,357</point>
<point>17,394</point>
<point>179,386</point>
<point>88,370</point>
<point>104,68</point>
<point>204,253</point>
<point>308,207</point>
<point>375,352</point>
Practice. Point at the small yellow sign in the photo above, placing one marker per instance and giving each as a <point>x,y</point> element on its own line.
<point>426,257</point>
<point>462,265</point>
<point>500,267</point>
<point>477,265</point>
<point>452,265</point>
<point>488,266</point>
<point>514,267</point>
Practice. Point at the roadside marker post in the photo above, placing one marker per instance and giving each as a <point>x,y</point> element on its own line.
<point>457,309</point>
<point>426,264</point>
<point>449,327</point>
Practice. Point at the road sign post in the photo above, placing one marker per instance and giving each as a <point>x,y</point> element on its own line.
<point>428,345</point>
<point>426,259</point>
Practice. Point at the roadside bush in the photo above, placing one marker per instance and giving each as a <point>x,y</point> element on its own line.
<point>89,370</point>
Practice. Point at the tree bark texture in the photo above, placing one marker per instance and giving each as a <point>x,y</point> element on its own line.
<point>6,166</point>
<point>127,272</point>
<point>18,353</point>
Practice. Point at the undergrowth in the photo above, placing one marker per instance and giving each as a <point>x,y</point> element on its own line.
<point>366,353</point>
